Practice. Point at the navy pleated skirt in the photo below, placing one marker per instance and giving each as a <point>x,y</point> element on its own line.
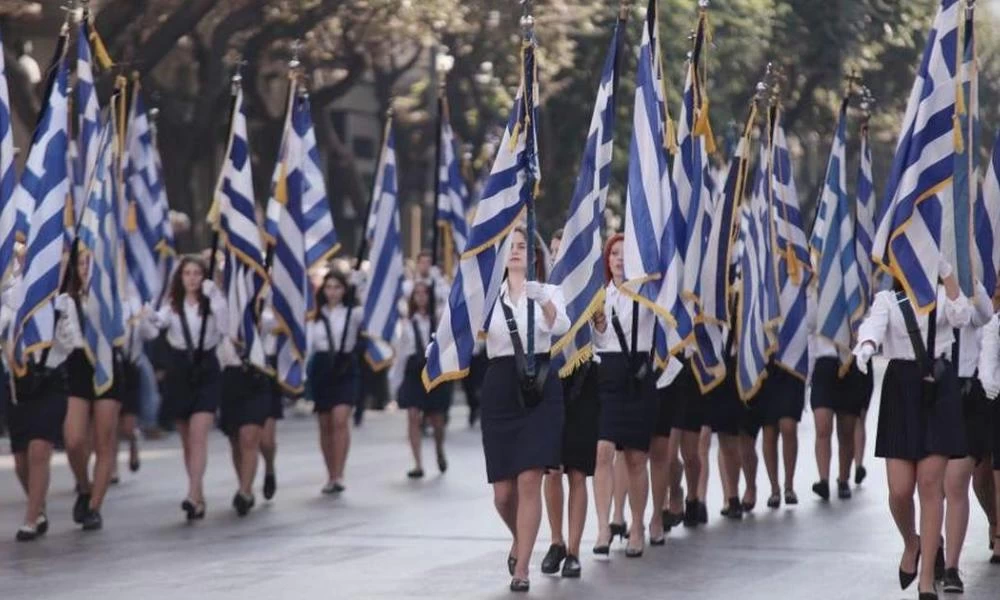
<point>516,438</point>
<point>246,399</point>
<point>413,394</point>
<point>583,412</point>
<point>628,411</point>
<point>331,389</point>
<point>912,428</point>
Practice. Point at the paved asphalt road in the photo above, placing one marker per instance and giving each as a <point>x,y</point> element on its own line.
<point>390,538</point>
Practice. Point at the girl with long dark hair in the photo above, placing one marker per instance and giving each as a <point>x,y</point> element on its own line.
<point>334,373</point>
<point>920,418</point>
<point>412,336</point>
<point>194,320</point>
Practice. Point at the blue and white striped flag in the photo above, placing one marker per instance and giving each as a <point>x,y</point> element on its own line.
<point>480,271</point>
<point>864,225</point>
<point>833,250</point>
<point>577,269</point>
<point>653,262</point>
<point>790,256</point>
<point>88,121</point>
<point>103,326</point>
<point>143,190</point>
<point>755,342</point>
<point>987,221</point>
<point>8,178</point>
<point>300,231</point>
<point>386,256</point>
<point>235,218</point>
<point>919,197</point>
<point>43,192</point>
<point>453,197</point>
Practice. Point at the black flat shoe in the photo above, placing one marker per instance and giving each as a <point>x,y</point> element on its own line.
<point>905,579</point>
<point>415,474</point>
<point>734,511</point>
<point>115,480</point>
<point>822,489</point>
<point>674,520</point>
<point>134,464</point>
<point>619,529</point>
<point>193,511</point>
<point>928,596</point>
<point>602,550</point>
<point>511,563</point>
<point>774,501</point>
<point>702,513</point>
<point>442,464</point>
<point>26,533</point>
<point>553,559</point>
<point>519,585</point>
<point>42,524</point>
<point>790,498</point>
<point>242,504</point>
<point>953,582</point>
<point>80,507</point>
<point>571,567</point>
<point>859,474</point>
<point>843,490</point>
<point>93,521</point>
<point>691,518</point>
<point>270,486</point>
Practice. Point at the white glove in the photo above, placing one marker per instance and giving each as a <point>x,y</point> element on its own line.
<point>63,302</point>
<point>435,272</point>
<point>209,288</point>
<point>356,278</point>
<point>992,389</point>
<point>862,355</point>
<point>944,269</point>
<point>427,351</point>
<point>537,291</point>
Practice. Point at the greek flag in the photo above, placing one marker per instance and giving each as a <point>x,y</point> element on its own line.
<point>8,178</point>
<point>833,250</point>
<point>864,226</point>
<point>143,189</point>
<point>300,231</point>
<point>244,274</point>
<point>43,193</point>
<point>165,232</point>
<point>503,203</point>
<point>919,198</point>
<point>577,269</point>
<point>755,340</point>
<point>88,121</point>
<point>453,197</point>
<point>386,256</point>
<point>103,324</point>
<point>987,222</point>
<point>966,188</point>
<point>790,256</point>
<point>653,262</point>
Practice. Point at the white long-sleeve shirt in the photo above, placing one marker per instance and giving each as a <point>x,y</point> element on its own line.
<point>67,331</point>
<point>616,301</point>
<point>316,338</point>
<point>498,341</point>
<point>886,327</point>
<point>170,320</point>
<point>405,345</point>
<point>989,354</point>
<point>968,337</point>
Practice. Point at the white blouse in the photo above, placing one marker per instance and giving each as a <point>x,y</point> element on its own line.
<point>316,338</point>
<point>498,335</point>
<point>167,319</point>
<point>405,345</point>
<point>989,353</point>
<point>969,336</point>
<point>884,326</point>
<point>606,342</point>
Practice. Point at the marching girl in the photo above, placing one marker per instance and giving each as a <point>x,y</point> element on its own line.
<point>245,407</point>
<point>193,319</point>
<point>412,336</point>
<point>989,374</point>
<point>832,397</point>
<point>920,422</point>
<point>628,400</point>
<point>522,420</point>
<point>131,381</point>
<point>334,371</point>
<point>35,410</point>
<point>86,412</point>
<point>781,401</point>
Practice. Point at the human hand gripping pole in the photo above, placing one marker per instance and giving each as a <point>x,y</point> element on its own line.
<point>863,355</point>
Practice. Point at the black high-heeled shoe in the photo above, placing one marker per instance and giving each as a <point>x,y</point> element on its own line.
<point>619,529</point>
<point>691,517</point>
<point>571,567</point>
<point>519,585</point>
<point>859,474</point>
<point>928,596</point>
<point>822,489</point>
<point>774,501</point>
<point>995,559</point>
<point>791,498</point>
<point>906,579</point>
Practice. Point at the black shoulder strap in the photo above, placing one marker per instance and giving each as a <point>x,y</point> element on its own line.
<point>326,327</point>
<point>515,337</point>
<point>186,330</point>
<point>616,324</point>
<point>418,339</point>
<point>913,330</point>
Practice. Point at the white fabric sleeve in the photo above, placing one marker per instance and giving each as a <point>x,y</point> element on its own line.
<point>874,327</point>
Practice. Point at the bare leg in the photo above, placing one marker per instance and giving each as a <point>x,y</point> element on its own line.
<point>729,457</point>
<point>505,501</point>
<point>982,485</point>
<point>704,447</point>
<point>439,425</point>
<point>234,453</point>
<point>748,462</point>
<point>845,445</point>
<point>996,511</point>
<point>21,470</point>
<point>529,518</point>
<point>930,488</point>
<point>325,420</point>
<point>620,488</point>
<point>860,437</point>
<point>692,462</point>
<point>659,473</point>
<point>554,506</point>
<point>824,441</point>
<point>958,474</point>
<point>789,450</point>
<point>341,439</point>
<point>39,461</point>
<point>198,427</point>
<point>249,444</point>
<point>76,436</point>
<point>675,474</point>
<point>413,420</point>
<point>902,479</point>
<point>269,445</point>
<point>577,510</point>
<point>638,492</point>
<point>770,451</point>
<point>603,489</point>
<point>105,440</point>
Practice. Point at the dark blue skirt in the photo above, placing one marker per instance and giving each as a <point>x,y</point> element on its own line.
<point>516,438</point>
<point>912,428</point>
<point>412,393</point>
<point>191,390</point>
<point>782,396</point>
<point>246,399</point>
<point>330,389</point>
<point>583,414</point>
<point>628,415</point>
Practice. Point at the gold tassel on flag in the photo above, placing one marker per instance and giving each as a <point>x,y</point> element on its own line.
<point>100,50</point>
